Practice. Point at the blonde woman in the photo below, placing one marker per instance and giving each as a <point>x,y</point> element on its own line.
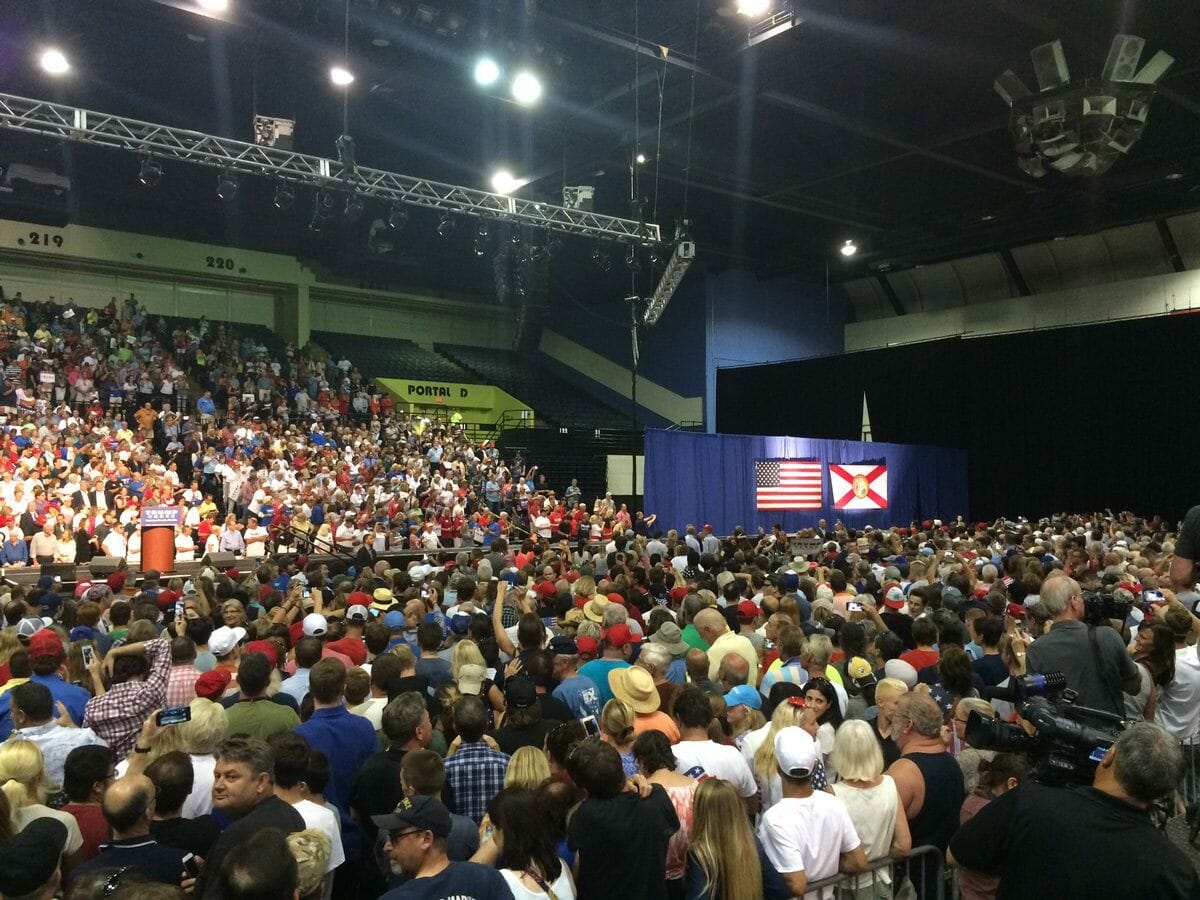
<point>759,750</point>
<point>25,786</point>
<point>874,805</point>
<point>64,550</point>
<point>467,653</point>
<point>725,860</point>
<point>616,730</point>
<point>887,692</point>
<point>201,737</point>
<point>527,768</point>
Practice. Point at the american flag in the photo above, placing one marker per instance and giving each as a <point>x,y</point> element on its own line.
<point>787,484</point>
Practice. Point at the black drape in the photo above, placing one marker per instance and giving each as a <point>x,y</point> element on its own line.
<point>1068,419</point>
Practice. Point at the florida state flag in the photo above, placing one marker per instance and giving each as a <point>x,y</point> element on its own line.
<point>859,486</point>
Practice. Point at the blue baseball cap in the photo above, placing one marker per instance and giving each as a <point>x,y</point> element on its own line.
<point>744,695</point>
<point>394,620</point>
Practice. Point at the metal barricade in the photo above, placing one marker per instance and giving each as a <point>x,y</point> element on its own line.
<point>1190,789</point>
<point>919,876</point>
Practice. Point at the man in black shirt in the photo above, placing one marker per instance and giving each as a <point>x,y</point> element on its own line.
<point>173,777</point>
<point>377,787</point>
<point>1187,552</point>
<point>1086,842</point>
<point>244,790</point>
<point>621,838</point>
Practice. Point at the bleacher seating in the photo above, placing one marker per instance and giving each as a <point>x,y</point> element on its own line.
<point>378,357</point>
<point>553,398</point>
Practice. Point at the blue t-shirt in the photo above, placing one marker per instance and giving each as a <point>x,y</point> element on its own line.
<point>581,695</point>
<point>597,670</point>
<point>458,879</point>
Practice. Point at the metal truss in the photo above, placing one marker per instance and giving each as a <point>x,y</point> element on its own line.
<point>70,123</point>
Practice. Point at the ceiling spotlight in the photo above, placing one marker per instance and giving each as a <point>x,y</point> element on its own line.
<point>631,259</point>
<point>397,217</point>
<point>526,88</point>
<point>597,255</point>
<point>480,248</point>
<point>487,72</point>
<point>503,182</point>
<point>214,6</point>
<point>227,186</point>
<point>753,8</point>
<point>849,248</point>
<point>641,159</point>
<point>53,62</point>
<point>482,230</point>
<point>554,246</point>
<point>150,172</point>
<point>445,226</point>
<point>285,196</point>
<point>341,76</point>
<point>354,208</point>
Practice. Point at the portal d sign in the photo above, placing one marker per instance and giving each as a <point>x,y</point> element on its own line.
<point>418,391</point>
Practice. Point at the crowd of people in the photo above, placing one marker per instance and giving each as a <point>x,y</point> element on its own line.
<point>552,700</point>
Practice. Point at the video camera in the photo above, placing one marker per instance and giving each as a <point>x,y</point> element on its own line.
<point>1068,742</point>
<point>1099,606</point>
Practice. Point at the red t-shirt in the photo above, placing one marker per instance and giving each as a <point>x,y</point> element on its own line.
<point>91,825</point>
<point>920,659</point>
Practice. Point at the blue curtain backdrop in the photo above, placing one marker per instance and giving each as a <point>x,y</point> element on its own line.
<point>694,478</point>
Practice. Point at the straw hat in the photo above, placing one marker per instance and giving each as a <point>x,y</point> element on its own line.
<point>635,686</point>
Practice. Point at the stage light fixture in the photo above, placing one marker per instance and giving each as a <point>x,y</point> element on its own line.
<point>354,208</point>
<point>341,76</point>
<point>322,210</point>
<point>554,247</point>
<point>285,196</point>
<point>150,172</point>
<point>598,256</point>
<point>641,159</point>
<point>445,226</point>
<point>227,186</point>
<point>487,72</point>
<point>482,230</point>
<point>849,248</point>
<point>480,248</point>
<point>753,8</point>
<point>526,88</point>
<point>397,217</point>
<point>213,6</point>
<point>631,260</point>
<point>54,62</point>
<point>503,182</point>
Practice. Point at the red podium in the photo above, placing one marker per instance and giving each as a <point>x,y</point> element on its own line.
<point>158,537</point>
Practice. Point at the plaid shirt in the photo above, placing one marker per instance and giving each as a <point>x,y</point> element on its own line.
<point>181,685</point>
<point>117,716</point>
<point>475,774</point>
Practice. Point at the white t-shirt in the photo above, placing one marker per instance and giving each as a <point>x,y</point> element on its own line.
<point>808,834</point>
<point>700,758</point>
<point>258,548</point>
<point>322,819</point>
<point>563,886</point>
<point>26,814</point>
<point>199,801</point>
<point>1178,708</point>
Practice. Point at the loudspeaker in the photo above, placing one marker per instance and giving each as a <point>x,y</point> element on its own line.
<point>65,571</point>
<point>106,565</point>
<point>219,560</point>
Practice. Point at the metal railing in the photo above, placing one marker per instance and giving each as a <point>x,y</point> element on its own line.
<point>919,876</point>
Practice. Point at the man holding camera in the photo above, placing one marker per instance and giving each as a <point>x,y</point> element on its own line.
<point>1085,842</point>
<point>1095,660</point>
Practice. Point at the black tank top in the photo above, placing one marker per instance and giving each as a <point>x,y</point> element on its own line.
<point>944,794</point>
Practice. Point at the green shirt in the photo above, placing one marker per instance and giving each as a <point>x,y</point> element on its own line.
<point>260,718</point>
<point>692,638</point>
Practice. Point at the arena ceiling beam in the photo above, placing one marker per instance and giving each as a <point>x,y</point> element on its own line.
<point>84,126</point>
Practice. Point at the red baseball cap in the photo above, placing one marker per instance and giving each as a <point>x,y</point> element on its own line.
<point>620,635</point>
<point>116,582</point>
<point>747,610</point>
<point>678,593</point>
<point>359,598</point>
<point>616,598</point>
<point>267,649</point>
<point>545,589</point>
<point>1016,610</point>
<point>233,573</point>
<point>46,643</point>
<point>587,648</point>
<point>211,685</point>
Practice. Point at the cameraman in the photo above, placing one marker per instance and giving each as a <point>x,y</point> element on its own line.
<point>1094,659</point>
<point>1085,842</point>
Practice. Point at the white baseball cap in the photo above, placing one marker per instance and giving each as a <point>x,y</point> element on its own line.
<point>357,613</point>
<point>795,752</point>
<point>224,639</point>
<point>315,625</point>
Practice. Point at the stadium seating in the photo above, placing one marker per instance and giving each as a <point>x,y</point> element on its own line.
<point>552,398</point>
<point>379,357</point>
